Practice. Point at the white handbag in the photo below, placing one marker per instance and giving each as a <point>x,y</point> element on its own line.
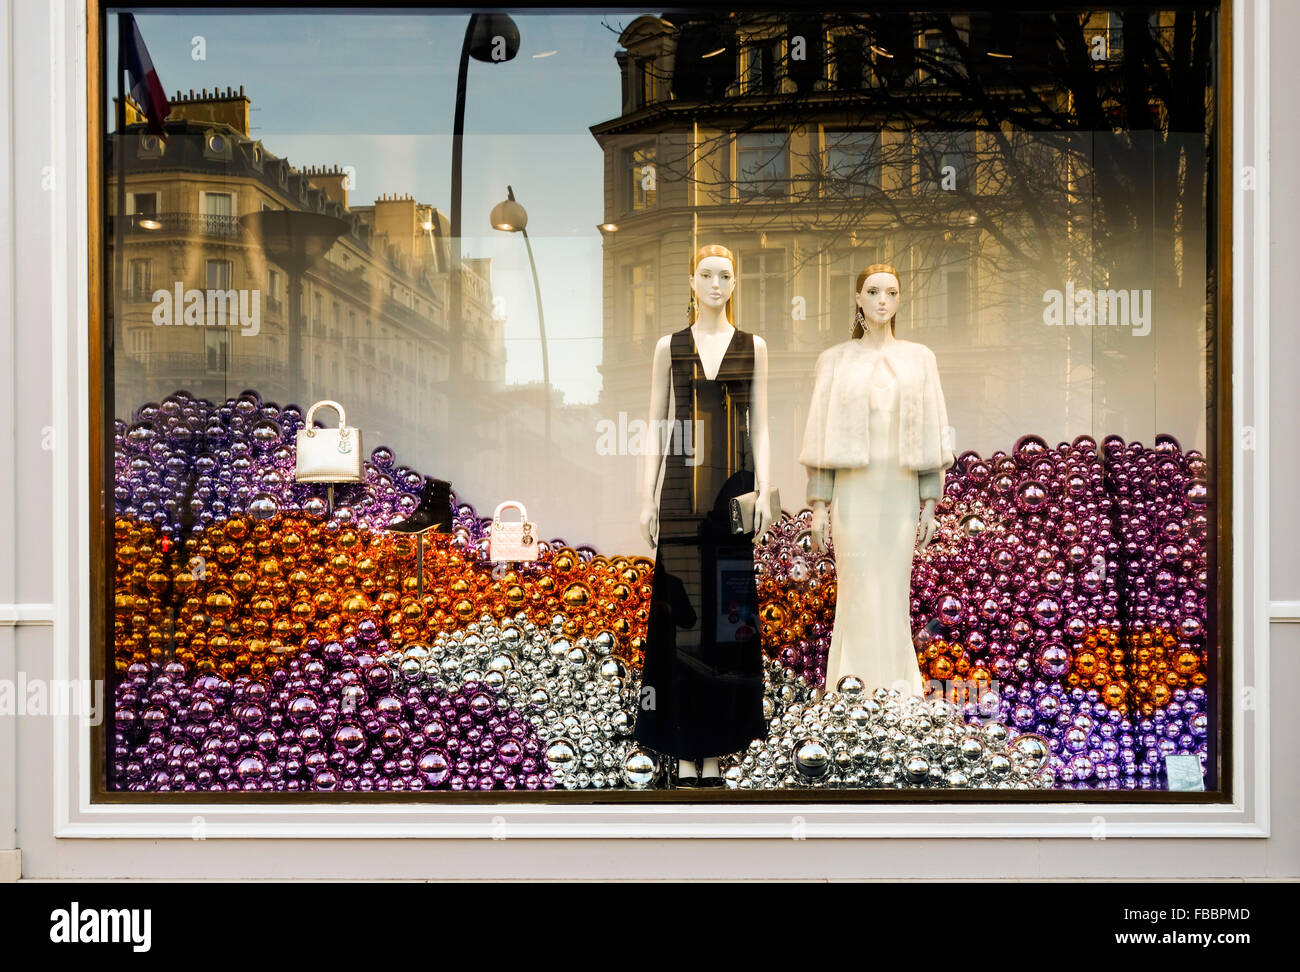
<point>511,540</point>
<point>328,455</point>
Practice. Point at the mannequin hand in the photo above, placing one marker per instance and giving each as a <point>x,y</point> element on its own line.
<point>928,526</point>
<point>650,524</point>
<point>762,518</point>
<point>820,521</point>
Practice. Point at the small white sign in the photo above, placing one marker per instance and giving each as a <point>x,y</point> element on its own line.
<point>1184,772</point>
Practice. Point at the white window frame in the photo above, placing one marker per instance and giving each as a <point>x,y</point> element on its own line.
<point>131,196</point>
<point>75,816</point>
<point>234,201</point>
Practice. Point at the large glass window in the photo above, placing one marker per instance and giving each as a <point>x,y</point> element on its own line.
<point>742,401</point>
<point>761,164</point>
<point>852,161</point>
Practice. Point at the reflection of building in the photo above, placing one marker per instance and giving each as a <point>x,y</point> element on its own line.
<point>870,145</point>
<point>375,329</point>
<point>511,453</point>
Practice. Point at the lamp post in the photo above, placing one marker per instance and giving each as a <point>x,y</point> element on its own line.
<point>294,240</point>
<point>510,217</point>
<point>492,38</point>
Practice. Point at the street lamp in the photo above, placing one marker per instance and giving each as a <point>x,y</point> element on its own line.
<point>294,240</point>
<point>492,38</point>
<point>510,217</point>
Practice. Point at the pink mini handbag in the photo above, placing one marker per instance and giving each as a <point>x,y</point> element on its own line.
<point>512,540</point>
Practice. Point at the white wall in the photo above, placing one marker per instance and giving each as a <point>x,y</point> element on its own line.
<point>40,260</point>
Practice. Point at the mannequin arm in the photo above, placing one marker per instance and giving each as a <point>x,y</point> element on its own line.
<point>820,521</point>
<point>821,484</point>
<point>761,440</point>
<point>928,525</point>
<point>930,484</point>
<point>660,378</point>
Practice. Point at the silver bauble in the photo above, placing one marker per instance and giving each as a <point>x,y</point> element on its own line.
<point>1032,748</point>
<point>972,749</point>
<point>850,687</point>
<point>917,768</point>
<point>639,769</point>
<point>561,756</point>
<point>811,759</point>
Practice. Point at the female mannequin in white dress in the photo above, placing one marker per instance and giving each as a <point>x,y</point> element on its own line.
<point>876,446</point>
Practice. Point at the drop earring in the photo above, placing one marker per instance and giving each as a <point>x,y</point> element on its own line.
<point>690,309</point>
<point>858,319</point>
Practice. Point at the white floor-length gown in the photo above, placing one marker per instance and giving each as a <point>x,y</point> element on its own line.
<point>874,513</point>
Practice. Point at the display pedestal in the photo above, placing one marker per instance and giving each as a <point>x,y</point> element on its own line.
<point>419,565</point>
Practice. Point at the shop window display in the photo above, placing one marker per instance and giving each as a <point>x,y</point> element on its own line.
<point>854,381</point>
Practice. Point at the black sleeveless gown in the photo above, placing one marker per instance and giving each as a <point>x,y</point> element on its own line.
<point>702,680</point>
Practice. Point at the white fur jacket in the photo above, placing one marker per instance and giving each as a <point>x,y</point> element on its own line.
<point>836,434</point>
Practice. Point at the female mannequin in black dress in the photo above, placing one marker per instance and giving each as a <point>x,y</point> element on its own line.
<point>702,682</point>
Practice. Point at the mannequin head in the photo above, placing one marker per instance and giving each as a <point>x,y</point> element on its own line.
<point>713,271</point>
<point>878,294</point>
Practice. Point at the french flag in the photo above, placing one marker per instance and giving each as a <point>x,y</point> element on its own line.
<point>146,89</point>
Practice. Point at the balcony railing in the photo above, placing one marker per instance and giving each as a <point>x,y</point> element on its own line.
<point>187,224</point>
<point>184,363</point>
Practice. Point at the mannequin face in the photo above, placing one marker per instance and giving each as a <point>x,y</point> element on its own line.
<point>713,282</point>
<point>879,298</point>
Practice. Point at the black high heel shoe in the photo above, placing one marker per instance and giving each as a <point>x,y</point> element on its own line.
<point>708,782</point>
<point>433,513</point>
<point>688,781</point>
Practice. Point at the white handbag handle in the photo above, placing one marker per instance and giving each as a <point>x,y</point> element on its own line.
<point>311,414</point>
<point>523,513</point>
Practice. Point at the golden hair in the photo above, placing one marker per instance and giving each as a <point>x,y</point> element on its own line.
<point>708,250</point>
<point>862,278</point>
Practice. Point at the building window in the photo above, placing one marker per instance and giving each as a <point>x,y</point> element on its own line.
<point>762,62</point>
<point>761,168</point>
<point>1114,34</point>
<point>763,295</point>
<point>218,274</point>
<point>643,177</point>
<point>141,277</point>
<point>849,62</point>
<point>217,203</point>
<point>216,344</point>
<point>647,81</point>
<point>143,203</point>
<point>1081,214</point>
<point>852,161</point>
<point>944,161</point>
<point>216,349</point>
<point>954,289</point>
<point>639,285</point>
<point>141,341</point>
<point>940,56</point>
